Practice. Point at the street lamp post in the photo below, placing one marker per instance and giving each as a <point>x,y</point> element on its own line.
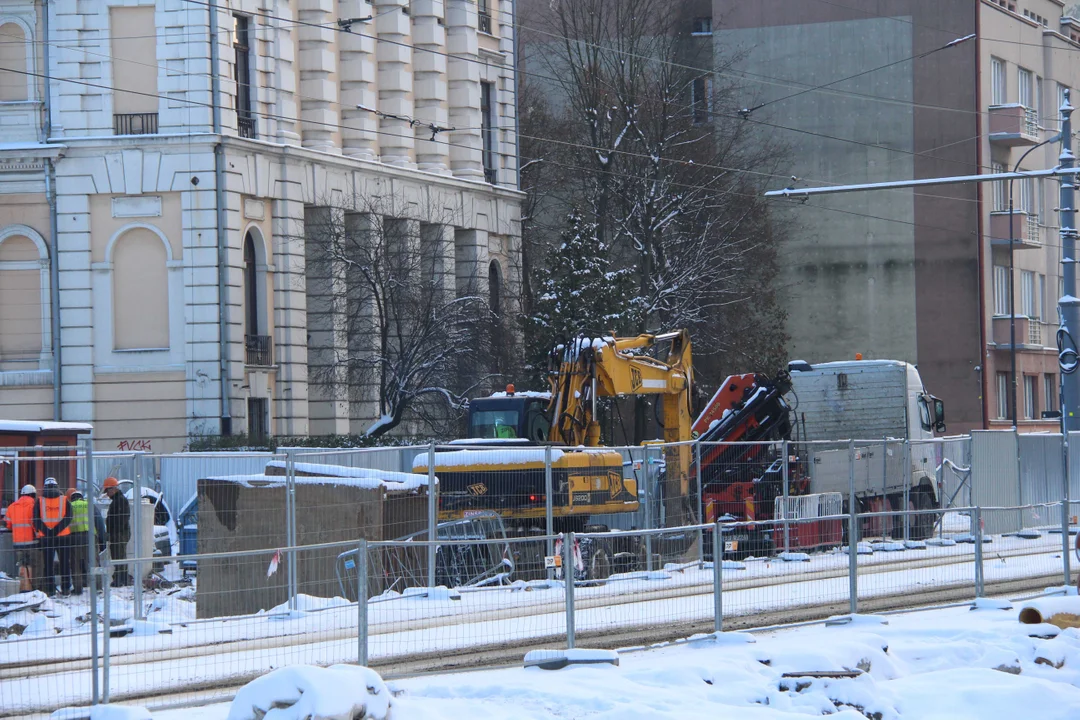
<point>1012,277</point>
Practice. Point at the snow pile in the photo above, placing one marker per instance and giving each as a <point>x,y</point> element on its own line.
<point>367,483</point>
<point>119,712</point>
<point>389,479</point>
<point>459,458</point>
<point>303,692</point>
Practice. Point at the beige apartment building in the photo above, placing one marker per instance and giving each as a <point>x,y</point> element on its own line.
<point>160,161</point>
<point>920,275</point>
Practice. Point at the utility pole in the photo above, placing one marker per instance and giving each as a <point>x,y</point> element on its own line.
<point>1068,304</point>
<point>1069,315</point>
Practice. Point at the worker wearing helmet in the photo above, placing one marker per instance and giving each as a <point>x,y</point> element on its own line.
<point>80,529</point>
<point>118,529</point>
<point>20,521</point>
<point>52,520</point>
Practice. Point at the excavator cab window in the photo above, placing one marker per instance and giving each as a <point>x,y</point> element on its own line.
<point>494,424</point>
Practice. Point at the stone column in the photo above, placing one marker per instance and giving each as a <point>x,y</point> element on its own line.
<point>463,74</point>
<point>290,306</point>
<point>281,97</point>
<point>429,66</point>
<point>363,319</point>
<point>319,114</point>
<point>328,405</point>
<point>394,55</point>
<point>357,71</point>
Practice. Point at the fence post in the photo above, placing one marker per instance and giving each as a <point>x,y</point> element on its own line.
<point>568,579</point>
<point>648,514</point>
<point>1065,509</point>
<point>906,479</point>
<point>137,531</point>
<point>290,527</point>
<point>787,525</point>
<point>549,519</point>
<point>107,609</point>
<point>853,534</point>
<point>717,578</point>
<point>361,602</point>
<point>700,505</point>
<point>91,567</point>
<point>433,515</point>
<point>976,521</point>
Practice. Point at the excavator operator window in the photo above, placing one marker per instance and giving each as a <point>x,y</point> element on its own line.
<point>495,424</point>
<point>537,423</point>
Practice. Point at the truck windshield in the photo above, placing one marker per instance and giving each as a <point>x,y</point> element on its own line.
<point>494,424</point>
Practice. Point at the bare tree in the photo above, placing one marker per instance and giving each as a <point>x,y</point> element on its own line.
<point>399,327</point>
<point>671,178</point>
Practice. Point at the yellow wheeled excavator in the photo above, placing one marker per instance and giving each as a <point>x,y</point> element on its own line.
<point>507,475</point>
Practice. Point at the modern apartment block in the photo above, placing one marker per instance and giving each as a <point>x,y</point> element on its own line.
<point>158,166</point>
<point>919,275</point>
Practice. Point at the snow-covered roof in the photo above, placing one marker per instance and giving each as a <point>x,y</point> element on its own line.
<point>544,395</point>
<point>366,483</point>
<point>34,426</point>
<point>490,441</point>
<point>509,456</point>
<point>391,479</point>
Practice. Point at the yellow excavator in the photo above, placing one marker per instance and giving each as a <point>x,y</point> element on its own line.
<point>507,475</point>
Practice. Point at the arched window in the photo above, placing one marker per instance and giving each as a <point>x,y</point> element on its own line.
<point>495,287</point>
<point>23,305</point>
<point>13,53</point>
<point>251,287</point>
<point>258,347</point>
<point>140,291</point>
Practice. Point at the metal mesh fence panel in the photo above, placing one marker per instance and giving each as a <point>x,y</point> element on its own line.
<point>1024,560</point>
<point>938,568</point>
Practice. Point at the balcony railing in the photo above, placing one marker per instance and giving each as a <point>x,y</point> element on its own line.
<point>1013,124</point>
<point>484,24</point>
<point>135,123</point>
<point>1035,332</point>
<point>1033,228</point>
<point>259,350</point>
<point>246,126</point>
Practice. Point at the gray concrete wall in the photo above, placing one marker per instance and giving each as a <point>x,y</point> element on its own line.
<point>890,274</point>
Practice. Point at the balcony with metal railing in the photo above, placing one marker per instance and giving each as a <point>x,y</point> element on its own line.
<point>1035,333</point>
<point>1013,125</point>
<point>1025,231</point>
<point>258,350</point>
<point>135,123</point>
<point>245,126</point>
<point>484,22</point>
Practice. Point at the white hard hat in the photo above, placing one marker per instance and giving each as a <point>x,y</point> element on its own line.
<point>51,482</point>
<point>28,490</point>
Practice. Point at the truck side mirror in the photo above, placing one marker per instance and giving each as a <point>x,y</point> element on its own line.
<point>939,416</point>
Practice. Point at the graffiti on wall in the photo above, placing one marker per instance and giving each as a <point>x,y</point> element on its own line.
<point>141,445</point>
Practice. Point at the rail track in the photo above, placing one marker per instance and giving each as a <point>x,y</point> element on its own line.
<point>508,652</point>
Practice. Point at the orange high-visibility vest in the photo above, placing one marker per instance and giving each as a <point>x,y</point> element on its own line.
<point>20,518</point>
<point>53,511</point>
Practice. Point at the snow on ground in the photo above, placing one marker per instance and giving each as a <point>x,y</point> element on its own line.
<point>954,664</point>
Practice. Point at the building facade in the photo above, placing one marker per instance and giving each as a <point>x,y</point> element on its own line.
<point>160,166</point>
<point>919,275</point>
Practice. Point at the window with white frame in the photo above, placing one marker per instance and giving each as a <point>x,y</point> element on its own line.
<point>1026,199</point>
<point>1027,293</point>
<point>997,82</point>
<point>1041,299</point>
<point>1001,188</point>
<point>1002,395</point>
<point>1030,397</point>
<point>1025,88</point>
<point>1037,100</point>
<point>701,26</point>
<point>1001,290</point>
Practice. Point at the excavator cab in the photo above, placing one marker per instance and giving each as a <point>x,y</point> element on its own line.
<point>510,416</point>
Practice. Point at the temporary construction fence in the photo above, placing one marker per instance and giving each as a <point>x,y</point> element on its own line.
<point>341,556</point>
